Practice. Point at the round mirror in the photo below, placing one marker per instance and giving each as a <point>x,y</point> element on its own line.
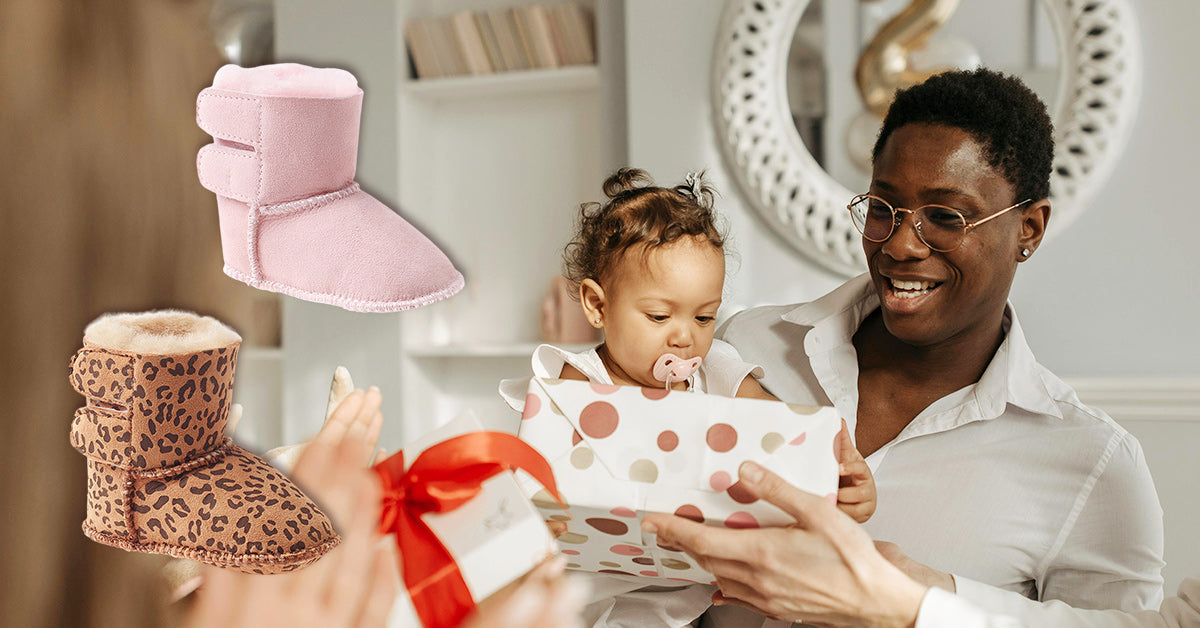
<point>797,127</point>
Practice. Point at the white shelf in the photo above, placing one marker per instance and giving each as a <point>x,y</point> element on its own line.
<point>572,78</point>
<point>516,350</point>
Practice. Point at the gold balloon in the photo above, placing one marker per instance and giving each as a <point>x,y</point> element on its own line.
<point>883,66</point>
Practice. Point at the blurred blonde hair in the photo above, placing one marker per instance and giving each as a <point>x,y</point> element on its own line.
<point>102,213</point>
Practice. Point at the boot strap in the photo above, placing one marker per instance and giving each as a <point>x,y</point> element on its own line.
<point>103,436</point>
<point>216,455</point>
<point>229,172</point>
<point>103,375</point>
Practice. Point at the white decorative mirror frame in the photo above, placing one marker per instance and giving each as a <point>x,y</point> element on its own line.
<point>1100,70</point>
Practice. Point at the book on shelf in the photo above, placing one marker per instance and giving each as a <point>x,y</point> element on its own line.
<point>501,40</point>
<point>421,50</point>
<point>470,43</point>
<point>536,26</point>
<point>490,44</point>
<point>511,49</point>
<point>450,58</point>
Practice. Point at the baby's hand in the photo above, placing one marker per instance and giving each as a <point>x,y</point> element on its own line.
<point>856,486</point>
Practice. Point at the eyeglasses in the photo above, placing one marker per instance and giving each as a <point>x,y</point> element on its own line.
<point>941,228</point>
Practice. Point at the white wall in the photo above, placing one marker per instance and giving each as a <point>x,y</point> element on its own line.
<point>1126,264</point>
<point>1114,296</point>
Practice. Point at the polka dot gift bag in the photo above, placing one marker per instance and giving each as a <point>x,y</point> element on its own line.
<point>621,452</point>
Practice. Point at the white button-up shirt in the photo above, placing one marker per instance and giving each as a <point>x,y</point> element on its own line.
<point>941,609</point>
<point>1010,482</point>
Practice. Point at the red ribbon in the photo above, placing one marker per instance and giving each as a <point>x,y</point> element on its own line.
<point>442,478</point>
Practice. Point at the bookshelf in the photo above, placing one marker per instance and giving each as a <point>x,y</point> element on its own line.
<point>486,40</point>
<point>492,167</point>
<point>581,78</point>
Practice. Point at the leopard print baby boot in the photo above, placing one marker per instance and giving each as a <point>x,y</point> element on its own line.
<point>162,476</point>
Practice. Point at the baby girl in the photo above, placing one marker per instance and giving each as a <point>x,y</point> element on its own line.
<point>650,270</point>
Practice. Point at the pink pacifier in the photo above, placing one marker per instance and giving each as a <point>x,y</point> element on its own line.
<point>671,368</point>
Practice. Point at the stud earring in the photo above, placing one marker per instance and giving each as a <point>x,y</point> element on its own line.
<point>1025,252</point>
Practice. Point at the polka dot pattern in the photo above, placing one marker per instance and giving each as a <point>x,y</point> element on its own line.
<point>654,394</point>
<point>604,389</point>
<point>598,419</point>
<point>741,520</point>
<point>608,526</point>
<point>738,493</point>
<point>772,441</point>
<point>543,499</point>
<point>626,550</point>
<point>688,511</point>
<point>803,409</point>
<point>720,481</point>
<point>582,458</point>
<point>643,470</point>
<point>721,437</point>
<point>533,405</point>
<point>613,426</point>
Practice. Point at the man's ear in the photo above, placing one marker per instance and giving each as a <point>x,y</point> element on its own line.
<point>592,298</point>
<point>1034,220</point>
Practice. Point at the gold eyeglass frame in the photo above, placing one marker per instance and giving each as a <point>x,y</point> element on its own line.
<point>897,220</point>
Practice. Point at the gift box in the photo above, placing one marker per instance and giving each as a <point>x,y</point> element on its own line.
<point>621,452</point>
<point>487,538</point>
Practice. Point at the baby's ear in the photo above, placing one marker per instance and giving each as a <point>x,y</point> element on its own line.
<point>591,297</point>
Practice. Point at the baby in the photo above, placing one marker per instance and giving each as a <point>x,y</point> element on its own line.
<point>650,270</point>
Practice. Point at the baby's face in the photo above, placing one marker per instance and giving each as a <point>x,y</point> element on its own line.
<point>668,304</point>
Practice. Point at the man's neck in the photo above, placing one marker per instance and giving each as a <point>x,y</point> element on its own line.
<point>954,363</point>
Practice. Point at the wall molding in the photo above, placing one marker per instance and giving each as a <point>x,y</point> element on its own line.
<point>1142,399</point>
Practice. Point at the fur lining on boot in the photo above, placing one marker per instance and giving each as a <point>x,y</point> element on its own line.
<point>161,332</point>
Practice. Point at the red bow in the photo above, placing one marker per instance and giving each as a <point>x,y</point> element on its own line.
<point>442,478</point>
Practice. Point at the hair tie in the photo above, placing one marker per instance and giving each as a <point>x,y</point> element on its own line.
<point>693,182</point>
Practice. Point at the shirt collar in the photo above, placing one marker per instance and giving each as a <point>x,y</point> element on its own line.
<point>1013,376</point>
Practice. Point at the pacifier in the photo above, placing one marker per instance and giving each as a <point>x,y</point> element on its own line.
<point>670,368</point>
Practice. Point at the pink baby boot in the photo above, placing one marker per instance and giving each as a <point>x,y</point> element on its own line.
<point>292,218</point>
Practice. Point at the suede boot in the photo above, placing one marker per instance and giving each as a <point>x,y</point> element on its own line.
<point>162,476</point>
<point>293,220</point>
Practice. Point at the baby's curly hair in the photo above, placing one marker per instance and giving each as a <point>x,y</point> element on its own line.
<point>638,213</point>
<point>998,110</point>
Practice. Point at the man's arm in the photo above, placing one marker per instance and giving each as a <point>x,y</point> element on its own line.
<point>1111,553</point>
<point>941,609</point>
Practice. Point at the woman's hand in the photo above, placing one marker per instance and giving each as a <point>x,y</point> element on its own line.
<point>823,569</point>
<point>544,598</point>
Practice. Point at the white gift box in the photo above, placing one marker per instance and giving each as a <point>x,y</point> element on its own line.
<point>620,452</point>
<point>494,538</point>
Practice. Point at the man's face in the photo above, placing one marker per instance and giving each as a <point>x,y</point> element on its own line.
<point>929,297</point>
